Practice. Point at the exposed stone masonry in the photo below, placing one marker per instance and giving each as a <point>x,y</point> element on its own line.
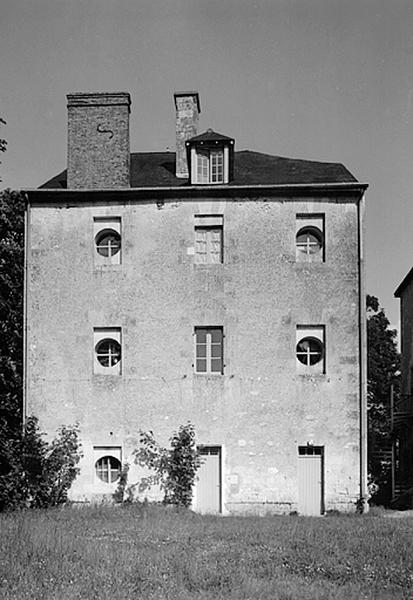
<point>98,140</point>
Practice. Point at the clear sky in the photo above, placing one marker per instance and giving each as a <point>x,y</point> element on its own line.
<point>318,79</point>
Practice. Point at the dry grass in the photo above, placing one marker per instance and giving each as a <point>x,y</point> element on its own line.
<point>149,552</point>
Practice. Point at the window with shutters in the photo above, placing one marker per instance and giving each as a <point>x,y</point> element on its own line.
<point>208,239</point>
<point>209,355</point>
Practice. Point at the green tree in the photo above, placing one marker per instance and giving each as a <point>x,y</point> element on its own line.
<point>383,363</point>
<point>11,320</point>
<point>39,474</point>
<point>174,469</point>
<point>11,311</point>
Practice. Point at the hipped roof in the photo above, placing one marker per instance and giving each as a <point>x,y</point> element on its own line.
<point>157,169</point>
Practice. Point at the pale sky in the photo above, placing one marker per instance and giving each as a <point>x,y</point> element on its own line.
<point>327,80</point>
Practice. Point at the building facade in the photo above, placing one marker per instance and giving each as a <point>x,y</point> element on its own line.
<point>402,411</point>
<point>212,286</point>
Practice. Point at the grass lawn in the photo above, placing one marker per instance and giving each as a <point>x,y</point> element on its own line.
<point>159,553</point>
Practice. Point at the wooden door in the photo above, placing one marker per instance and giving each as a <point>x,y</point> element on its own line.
<point>208,486</point>
<point>310,480</point>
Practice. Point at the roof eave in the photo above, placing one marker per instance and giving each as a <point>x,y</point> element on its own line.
<point>354,186</point>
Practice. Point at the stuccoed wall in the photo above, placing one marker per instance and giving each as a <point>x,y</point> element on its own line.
<point>406,313</point>
<point>264,406</point>
<point>405,468</point>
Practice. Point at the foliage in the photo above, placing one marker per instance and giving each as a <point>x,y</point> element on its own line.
<point>60,467</point>
<point>119,494</point>
<point>37,473</point>
<point>11,344</point>
<point>154,553</point>
<point>175,468</point>
<point>184,461</point>
<point>383,363</point>
<point>11,311</point>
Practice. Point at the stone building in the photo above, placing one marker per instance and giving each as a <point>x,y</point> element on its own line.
<point>402,416</point>
<point>210,285</point>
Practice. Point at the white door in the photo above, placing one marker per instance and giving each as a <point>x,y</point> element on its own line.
<point>310,480</point>
<point>208,486</point>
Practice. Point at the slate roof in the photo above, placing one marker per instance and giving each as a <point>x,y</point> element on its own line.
<point>157,169</point>
<point>210,136</point>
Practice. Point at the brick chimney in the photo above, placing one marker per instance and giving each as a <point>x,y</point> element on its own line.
<point>187,116</point>
<point>98,153</point>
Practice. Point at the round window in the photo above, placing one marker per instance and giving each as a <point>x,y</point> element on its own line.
<point>108,352</point>
<point>108,469</point>
<point>309,351</point>
<point>108,242</point>
<point>309,240</point>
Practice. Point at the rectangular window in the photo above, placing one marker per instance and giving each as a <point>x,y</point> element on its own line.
<point>310,349</point>
<point>208,239</point>
<point>107,240</point>
<point>209,356</point>
<point>107,464</point>
<point>107,350</point>
<point>210,166</point>
<point>202,170</point>
<point>217,166</point>
<point>310,450</point>
<point>309,238</point>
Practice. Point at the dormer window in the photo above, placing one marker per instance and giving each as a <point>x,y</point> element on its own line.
<point>210,156</point>
<point>210,166</point>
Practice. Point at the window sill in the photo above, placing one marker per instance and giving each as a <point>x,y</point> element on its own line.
<point>207,265</point>
<point>108,266</point>
<point>208,375</point>
<point>202,183</point>
<point>306,263</point>
<point>312,376</point>
<point>105,376</point>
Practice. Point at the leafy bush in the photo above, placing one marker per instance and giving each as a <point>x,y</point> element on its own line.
<point>121,490</point>
<point>12,208</point>
<point>36,473</point>
<point>175,468</point>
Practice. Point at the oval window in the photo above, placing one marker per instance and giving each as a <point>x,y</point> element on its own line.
<point>108,469</point>
<point>309,240</point>
<point>108,352</point>
<point>108,242</point>
<point>309,351</point>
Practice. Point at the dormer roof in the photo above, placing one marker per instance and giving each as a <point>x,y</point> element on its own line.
<point>209,136</point>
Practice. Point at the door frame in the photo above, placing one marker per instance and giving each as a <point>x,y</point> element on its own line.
<point>221,478</point>
<point>312,450</point>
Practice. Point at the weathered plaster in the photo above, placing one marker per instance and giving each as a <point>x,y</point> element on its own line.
<point>263,407</point>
